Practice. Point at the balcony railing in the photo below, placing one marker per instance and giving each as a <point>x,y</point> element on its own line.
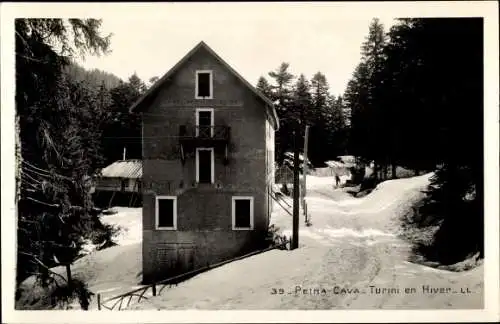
<point>191,137</point>
<point>217,133</point>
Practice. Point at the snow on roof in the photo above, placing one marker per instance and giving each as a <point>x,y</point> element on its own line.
<point>123,169</point>
<point>335,164</point>
<point>347,158</point>
<point>291,156</point>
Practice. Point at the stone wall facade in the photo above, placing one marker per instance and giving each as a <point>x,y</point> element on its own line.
<point>204,232</point>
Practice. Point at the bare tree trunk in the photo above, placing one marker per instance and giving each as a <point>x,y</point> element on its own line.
<point>393,170</point>
<point>68,275</point>
<point>375,169</point>
<point>380,170</point>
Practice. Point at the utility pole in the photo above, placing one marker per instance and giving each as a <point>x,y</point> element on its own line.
<point>304,172</point>
<point>296,193</point>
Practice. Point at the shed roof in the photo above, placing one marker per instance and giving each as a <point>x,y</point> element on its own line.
<point>339,164</point>
<point>123,169</point>
<point>137,106</point>
<point>335,164</point>
<point>347,158</point>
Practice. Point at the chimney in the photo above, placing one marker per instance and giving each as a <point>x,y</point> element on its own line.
<point>124,153</point>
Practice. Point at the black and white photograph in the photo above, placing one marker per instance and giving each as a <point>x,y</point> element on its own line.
<point>293,156</point>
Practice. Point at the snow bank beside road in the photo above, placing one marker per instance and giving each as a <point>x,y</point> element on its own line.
<point>388,193</point>
<point>352,242</point>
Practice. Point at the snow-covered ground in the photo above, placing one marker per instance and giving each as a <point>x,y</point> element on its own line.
<point>117,269</point>
<point>350,252</point>
<point>129,220</point>
<point>110,271</point>
<point>351,257</point>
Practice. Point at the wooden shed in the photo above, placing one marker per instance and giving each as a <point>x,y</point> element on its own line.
<point>120,182</point>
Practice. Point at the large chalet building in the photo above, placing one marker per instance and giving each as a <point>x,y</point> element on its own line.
<point>208,166</point>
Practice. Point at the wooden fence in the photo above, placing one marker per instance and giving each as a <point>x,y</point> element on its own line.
<point>117,302</point>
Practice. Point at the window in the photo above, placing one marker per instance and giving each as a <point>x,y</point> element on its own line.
<point>204,122</point>
<point>205,165</point>
<point>242,213</point>
<point>166,212</point>
<point>204,85</point>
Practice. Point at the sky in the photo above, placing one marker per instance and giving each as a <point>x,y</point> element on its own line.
<point>254,39</point>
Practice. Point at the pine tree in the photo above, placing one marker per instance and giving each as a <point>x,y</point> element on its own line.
<point>335,127</point>
<point>282,95</point>
<point>123,128</point>
<point>450,105</point>
<point>427,112</point>
<point>137,84</point>
<point>299,113</point>
<point>264,87</point>
<point>356,97</point>
<point>282,89</point>
<point>57,198</point>
<point>320,150</point>
<point>58,142</point>
<point>372,49</point>
<point>301,110</point>
<point>342,118</point>
<point>372,52</point>
<point>153,80</point>
<point>319,91</point>
<point>368,123</point>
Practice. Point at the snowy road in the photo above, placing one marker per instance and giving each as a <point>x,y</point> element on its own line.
<point>351,257</point>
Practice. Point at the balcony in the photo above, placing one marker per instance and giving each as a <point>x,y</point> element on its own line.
<point>204,135</point>
<point>191,137</point>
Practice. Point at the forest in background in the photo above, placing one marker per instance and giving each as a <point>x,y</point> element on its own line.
<point>411,102</point>
<point>416,100</point>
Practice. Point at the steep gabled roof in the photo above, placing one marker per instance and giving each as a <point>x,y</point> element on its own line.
<point>137,106</point>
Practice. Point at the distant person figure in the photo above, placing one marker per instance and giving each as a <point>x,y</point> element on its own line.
<point>337,180</point>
